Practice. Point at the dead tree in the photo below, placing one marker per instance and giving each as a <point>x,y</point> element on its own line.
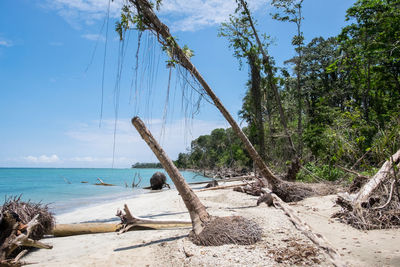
<point>150,21</point>
<point>207,230</point>
<point>383,173</point>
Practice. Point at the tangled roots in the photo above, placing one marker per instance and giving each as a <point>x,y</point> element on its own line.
<point>227,230</point>
<point>24,213</point>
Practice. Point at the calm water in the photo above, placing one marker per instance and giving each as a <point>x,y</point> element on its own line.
<point>62,188</point>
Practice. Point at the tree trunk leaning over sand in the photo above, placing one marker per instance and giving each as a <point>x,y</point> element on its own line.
<point>383,173</point>
<point>197,211</point>
<point>151,22</point>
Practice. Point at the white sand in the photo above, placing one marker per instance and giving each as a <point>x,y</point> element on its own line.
<point>172,248</point>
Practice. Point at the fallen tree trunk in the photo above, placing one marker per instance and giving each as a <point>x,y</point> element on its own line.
<point>103,183</point>
<point>62,230</point>
<point>222,187</point>
<point>376,180</point>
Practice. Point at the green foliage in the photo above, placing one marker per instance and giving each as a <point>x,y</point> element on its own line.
<point>315,172</point>
<point>141,165</point>
<point>219,149</point>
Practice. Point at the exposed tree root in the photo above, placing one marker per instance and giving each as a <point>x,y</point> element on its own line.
<point>25,211</point>
<point>21,225</point>
<point>382,210</point>
<point>227,230</point>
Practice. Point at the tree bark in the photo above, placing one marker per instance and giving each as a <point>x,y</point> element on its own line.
<point>197,211</point>
<point>256,97</point>
<point>377,179</point>
<point>270,74</point>
<point>161,30</point>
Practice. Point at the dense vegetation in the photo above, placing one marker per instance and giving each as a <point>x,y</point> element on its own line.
<point>140,165</point>
<point>337,102</point>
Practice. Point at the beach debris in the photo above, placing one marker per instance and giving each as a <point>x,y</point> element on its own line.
<point>22,224</point>
<point>103,183</point>
<point>221,187</point>
<point>254,189</point>
<point>158,181</point>
<point>318,239</point>
<point>265,198</point>
<point>128,221</point>
<point>377,204</point>
<point>213,183</point>
<point>231,230</point>
<point>296,253</point>
<point>61,230</point>
<point>134,184</point>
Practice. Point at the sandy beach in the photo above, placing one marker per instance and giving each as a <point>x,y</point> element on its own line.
<point>280,243</point>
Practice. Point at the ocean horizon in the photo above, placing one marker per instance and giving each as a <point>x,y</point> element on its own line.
<point>67,189</point>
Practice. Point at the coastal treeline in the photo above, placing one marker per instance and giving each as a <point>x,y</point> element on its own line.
<point>146,165</point>
<point>334,105</point>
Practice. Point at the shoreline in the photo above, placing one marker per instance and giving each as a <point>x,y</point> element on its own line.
<point>172,247</point>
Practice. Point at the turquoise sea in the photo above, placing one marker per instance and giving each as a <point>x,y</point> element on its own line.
<point>63,189</point>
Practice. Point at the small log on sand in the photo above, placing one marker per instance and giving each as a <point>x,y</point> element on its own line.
<point>94,228</point>
<point>222,187</point>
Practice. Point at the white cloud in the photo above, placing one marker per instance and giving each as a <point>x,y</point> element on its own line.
<point>94,145</point>
<point>87,11</point>
<point>42,159</point>
<point>93,37</point>
<point>183,15</point>
<point>6,43</point>
<point>197,14</point>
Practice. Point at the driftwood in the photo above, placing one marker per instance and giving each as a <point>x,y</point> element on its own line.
<point>128,221</point>
<point>384,172</point>
<point>94,228</point>
<point>14,236</point>
<point>222,187</point>
<point>233,179</point>
<point>103,183</point>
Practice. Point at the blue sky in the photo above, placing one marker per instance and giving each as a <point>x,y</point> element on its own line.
<point>51,65</point>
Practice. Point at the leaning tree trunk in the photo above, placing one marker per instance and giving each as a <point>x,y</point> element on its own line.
<point>207,230</point>
<point>256,97</point>
<point>271,82</point>
<point>197,211</point>
<point>152,22</point>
